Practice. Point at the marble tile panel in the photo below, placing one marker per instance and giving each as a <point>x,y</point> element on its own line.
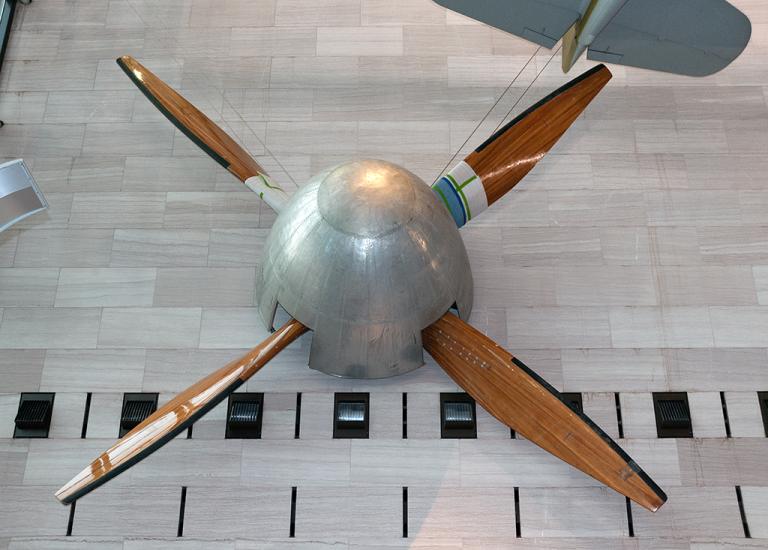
<point>159,248</point>
<point>28,286</point>
<point>105,287</point>
<point>206,286</point>
<point>38,328</point>
<point>150,327</point>
<point>102,370</point>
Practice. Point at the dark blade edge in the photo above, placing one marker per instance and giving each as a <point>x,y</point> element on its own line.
<point>529,110</point>
<point>597,429</point>
<point>160,107</point>
<point>156,445</point>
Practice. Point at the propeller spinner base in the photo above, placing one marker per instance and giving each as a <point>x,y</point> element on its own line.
<point>367,256</point>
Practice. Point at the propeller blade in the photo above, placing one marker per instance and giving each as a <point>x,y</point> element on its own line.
<point>516,396</point>
<point>176,415</point>
<point>508,155</point>
<point>204,132</point>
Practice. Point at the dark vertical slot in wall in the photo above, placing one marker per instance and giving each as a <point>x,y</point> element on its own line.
<point>725,415</point>
<point>297,427</point>
<point>630,523</point>
<point>405,512</point>
<point>71,520</point>
<point>292,528</point>
<point>743,514</point>
<point>189,432</point>
<point>85,415</point>
<point>405,415</point>
<point>182,508</point>
<point>762,398</point>
<point>618,416</point>
<point>512,434</point>
<point>518,529</point>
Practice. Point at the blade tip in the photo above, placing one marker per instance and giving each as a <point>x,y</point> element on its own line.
<point>64,496</point>
<point>657,501</point>
<point>124,61</point>
<point>602,70</point>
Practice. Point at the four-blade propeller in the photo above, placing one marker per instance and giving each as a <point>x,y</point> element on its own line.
<point>498,381</point>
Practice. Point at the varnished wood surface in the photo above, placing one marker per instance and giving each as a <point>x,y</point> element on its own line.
<point>187,118</point>
<point>507,156</point>
<point>517,397</point>
<point>177,414</point>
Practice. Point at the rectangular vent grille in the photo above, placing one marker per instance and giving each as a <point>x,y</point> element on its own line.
<point>673,416</point>
<point>245,413</point>
<point>457,416</point>
<point>33,418</point>
<point>351,415</point>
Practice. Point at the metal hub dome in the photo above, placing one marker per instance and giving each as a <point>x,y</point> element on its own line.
<point>366,256</point>
<point>367,199</point>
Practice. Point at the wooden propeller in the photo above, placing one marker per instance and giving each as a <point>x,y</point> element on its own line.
<point>176,415</point>
<point>507,156</point>
<point>519,398</point>
<point>204,132</point>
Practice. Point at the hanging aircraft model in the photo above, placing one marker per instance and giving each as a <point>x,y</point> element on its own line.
<point>369,257</point>
<point>689,37</point>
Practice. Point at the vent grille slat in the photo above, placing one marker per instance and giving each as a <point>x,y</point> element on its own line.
<point>135,412</point>
<point>244,414</point>
<point>674,413</point>
<point>351,413</point>
<point>137,407</point>
<point>458,413</point>
<point>33,414</point>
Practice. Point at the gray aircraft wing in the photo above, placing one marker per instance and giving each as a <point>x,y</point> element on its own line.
<point>541,21</point>
<point>690,37</point>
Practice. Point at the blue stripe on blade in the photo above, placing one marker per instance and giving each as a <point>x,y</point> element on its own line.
<point>453,200</point>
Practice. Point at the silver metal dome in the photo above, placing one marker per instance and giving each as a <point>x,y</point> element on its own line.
<point>366,256</point>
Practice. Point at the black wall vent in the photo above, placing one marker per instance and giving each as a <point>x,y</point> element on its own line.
<point>673,417</point>
<point>136,408</point>
<point>351,415</point>
<point>457,416</point>
<point>244,415</point>
<point>574,401</point>
<point>33,418</point>
<point>763,397</point>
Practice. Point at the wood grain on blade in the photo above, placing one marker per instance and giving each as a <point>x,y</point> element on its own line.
<point>516,396</point>
<point>194,124</point>
<point>509,154</point>
<point>176,415</point>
